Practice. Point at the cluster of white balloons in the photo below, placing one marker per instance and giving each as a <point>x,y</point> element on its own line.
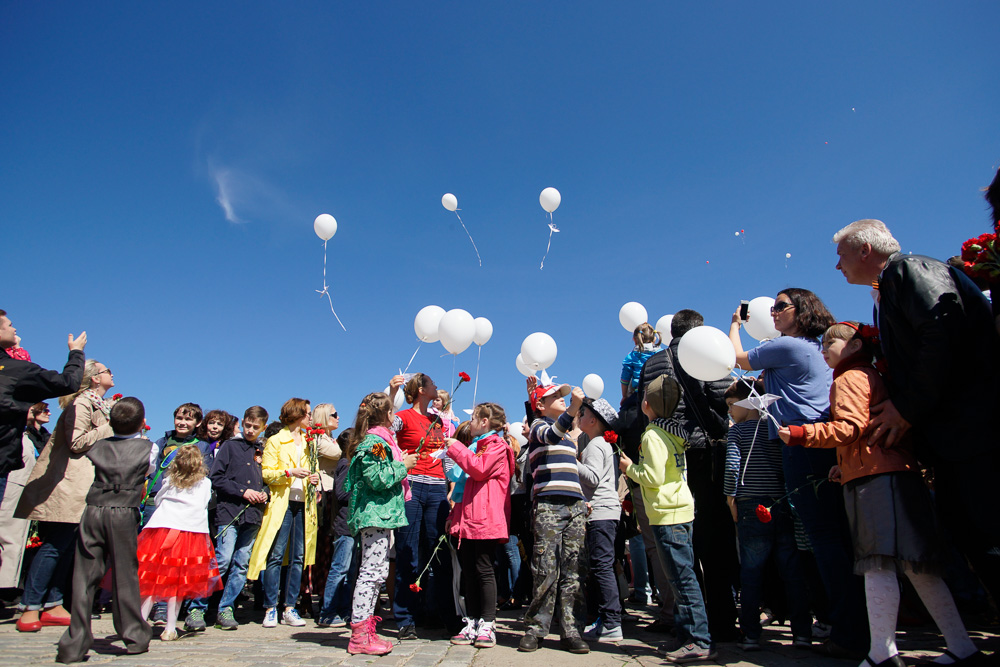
<point>457,329</point>
<point>538,352</point>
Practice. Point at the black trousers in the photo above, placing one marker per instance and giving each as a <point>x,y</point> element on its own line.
<point>476,558</point>
<point>107,538</point>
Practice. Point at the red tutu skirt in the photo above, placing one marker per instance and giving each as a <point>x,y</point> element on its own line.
<point>176,563</point>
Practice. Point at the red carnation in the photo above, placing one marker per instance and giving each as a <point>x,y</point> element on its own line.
<point>610,437</point>
<point>464,377</point>
<point>415,588</point>
<point>764,514</point>
<point>117,397</point>
<point>145,426</point>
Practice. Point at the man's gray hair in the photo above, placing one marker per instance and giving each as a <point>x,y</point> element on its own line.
<point>872,232</point>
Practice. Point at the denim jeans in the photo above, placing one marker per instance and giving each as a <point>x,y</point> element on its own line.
<point>676,551</point>
<point>50,570</point>
<point>337,592</point>
<point>640,569</point>
<point>509,559</point>
<point>825,521</point>
<point>233,553</point>
<point>292,534</point>
<point>426,513</point>
<point>758,540</point>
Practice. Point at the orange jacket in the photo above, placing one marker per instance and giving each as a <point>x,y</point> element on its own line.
<point>855,390</point>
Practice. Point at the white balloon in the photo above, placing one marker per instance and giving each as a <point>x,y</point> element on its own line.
<point>663,328</point>
<point>484,331</point>
<point>593,385</point>
<point>457,328</point>
<point>631,315</point>
<point>760,324</point>
<point>400,400</point>
<point>550,199</point>
<point>325,226</point>
<point>426,323</point>
<point>539,351</point>
<point>450,202</point>
<point>788,255</point>
<point>706,354</point>
<point>515,430</point>
<point>522,367</point>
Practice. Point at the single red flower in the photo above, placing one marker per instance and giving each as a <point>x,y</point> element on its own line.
<point>764,514</point>
<point>117,397</point>
<point>415,588</point>
<point>610,437</point>
<point>145,426</point>
<point>464,377</point>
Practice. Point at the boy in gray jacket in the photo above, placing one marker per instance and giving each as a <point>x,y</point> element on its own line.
<point>598,472</point>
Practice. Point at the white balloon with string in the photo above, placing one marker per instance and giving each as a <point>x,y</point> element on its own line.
<point>482,335</point>
<point>631,315</point>
<point>450,202</point>
<point>706,354</point>
<point>425,325</point>
<point>550,200</point>
<point>325,226</point>
<point>539,351</point>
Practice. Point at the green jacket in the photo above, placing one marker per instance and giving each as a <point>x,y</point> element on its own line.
<point>375,486</point>
<point>660,472</point>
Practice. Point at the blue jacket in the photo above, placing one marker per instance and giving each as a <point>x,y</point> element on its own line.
<point>234,471</point>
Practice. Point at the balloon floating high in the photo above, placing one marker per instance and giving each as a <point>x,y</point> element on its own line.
<point>325,226</point>
<point>450,202</point>
<point>550,200</point>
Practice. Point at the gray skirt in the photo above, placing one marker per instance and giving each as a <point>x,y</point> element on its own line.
<point>893,523</point>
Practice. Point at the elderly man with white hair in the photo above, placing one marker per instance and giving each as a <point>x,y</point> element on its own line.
<point>943,356</point>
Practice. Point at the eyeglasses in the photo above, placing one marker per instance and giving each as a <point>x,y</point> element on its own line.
<point>781,306</point>
<point>106,370</point>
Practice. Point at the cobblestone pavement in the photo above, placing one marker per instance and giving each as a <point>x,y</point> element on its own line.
<point>309,646</point>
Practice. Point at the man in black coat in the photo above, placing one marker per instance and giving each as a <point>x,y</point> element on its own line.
<point>943,356</point>
<point>22,384</point>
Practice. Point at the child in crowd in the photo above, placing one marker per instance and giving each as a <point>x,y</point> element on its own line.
<point>175,552</point>
<point>289,521</point>
<point>646,342</point>
<point>599,479</point>
<point>375,486</point>
<point>108,535</point>
<point>560,525</point>
<point>660,473</point>
<point>336,609</point>
<point>239,486</point>
<point>481,516</point>
<point>187,418</point>
<point>754,477</point>
<point>889,508</point>
<point>441,406</point>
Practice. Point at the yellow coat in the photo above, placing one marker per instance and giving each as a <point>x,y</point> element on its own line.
<point>280,455</point>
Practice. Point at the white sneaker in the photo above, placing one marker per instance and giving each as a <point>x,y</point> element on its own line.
<point>270,618</point>
<point>486,636</point>
<point>611,636</point>
<point>291,617</point>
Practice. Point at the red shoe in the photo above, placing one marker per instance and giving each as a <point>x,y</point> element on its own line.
<point>48,619</point>
<point>23,626</point>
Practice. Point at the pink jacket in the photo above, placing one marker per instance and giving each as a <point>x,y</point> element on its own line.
<point>484,511</point>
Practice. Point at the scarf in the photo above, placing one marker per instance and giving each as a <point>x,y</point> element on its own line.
<point>98,401</point>
<point>397,453</point>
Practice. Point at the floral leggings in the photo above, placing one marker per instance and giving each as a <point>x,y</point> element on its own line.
<point>374,570</point>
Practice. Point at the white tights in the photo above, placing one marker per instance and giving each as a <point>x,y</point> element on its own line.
<point>173,609</point>
<point>882,597</point>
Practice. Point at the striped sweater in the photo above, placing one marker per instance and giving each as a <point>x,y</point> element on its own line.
<point>552,458</point>
<point>753,462</point>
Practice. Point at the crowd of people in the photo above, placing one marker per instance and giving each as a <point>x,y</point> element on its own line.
<point>871,463</point>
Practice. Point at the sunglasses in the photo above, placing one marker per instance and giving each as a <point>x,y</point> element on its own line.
<point>106,370</point>
<point>780,307</point>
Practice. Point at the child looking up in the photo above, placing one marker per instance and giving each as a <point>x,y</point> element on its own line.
<point>599,479</point>
<point>176,556</point>
<point>560,525</point>
<point>660,473</point>
<point>480,517</point>
<point>754,477</point>
<point>108,535</point>
<point>889,509</point>
<point>375,484</point>
<point>646,343</point>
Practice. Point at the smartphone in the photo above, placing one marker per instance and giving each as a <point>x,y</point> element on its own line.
<point>744,311</point>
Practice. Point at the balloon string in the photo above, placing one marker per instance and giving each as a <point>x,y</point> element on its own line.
<point>412,358</point>
<point>326,290</point>
<point>470,238</point>
<point>753,392</point>
<point>475,387</point>
<point>552,228</point>
<point>454,358</point>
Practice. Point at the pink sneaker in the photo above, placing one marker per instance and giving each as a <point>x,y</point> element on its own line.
<point>364,640</point>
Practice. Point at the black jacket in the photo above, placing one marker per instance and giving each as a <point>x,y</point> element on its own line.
<point>942,350</point>
<point>343,497</point>
<point>22,384</point>
<point>234,471</point>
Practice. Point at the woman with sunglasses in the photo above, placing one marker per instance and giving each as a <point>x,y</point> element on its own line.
<point>794,370</point>
<point>55,496</point>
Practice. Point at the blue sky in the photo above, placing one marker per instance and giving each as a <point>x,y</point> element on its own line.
<point>162,165</point>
